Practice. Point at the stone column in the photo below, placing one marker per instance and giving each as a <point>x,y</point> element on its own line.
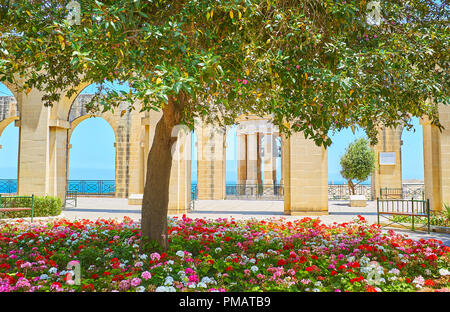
<point>180,186</point>
<point>33,164</point>
<point>58,152</point>
<point>436,156</point>
<point>269,163</point>
<point>305,177</point>
<point>210,162</point>
<point>390,176</point>
<point>241,158</point>
<point>252,157</point>
<point>444,117</point>
<point>135,157</point>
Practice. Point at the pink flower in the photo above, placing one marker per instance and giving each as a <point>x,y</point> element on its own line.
<point>135,282</point>
<point>244,81</point>
<point>298,66</point>
<point>146,275</point>
<point>155,256</point>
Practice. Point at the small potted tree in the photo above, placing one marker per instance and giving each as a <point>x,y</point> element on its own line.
<point>357,163</point>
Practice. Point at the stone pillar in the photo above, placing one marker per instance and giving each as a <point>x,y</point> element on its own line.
<point>268,159</point>
<point>444,117</point>
<point>210,162</point>
<point>58,155</point>
<point>389,175</point>
<point>282,161</point>
<point>180,185</point>
<point>33,164</point>
<point>134,158</point>
<point>269,164</point>
<point>252,157</point>
<point>305,176</point>
<point>241,158</point>
<point>123,150</point>
<point>436,156</point>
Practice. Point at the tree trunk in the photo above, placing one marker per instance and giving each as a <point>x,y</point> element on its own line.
<point>159,164</point>
<point>351,187</point>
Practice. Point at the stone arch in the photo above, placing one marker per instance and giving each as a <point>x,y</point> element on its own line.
<point>9,111</point>
<point>74,124</point>
<point>412,188</point>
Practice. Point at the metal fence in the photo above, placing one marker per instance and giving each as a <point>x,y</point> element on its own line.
<point>92,187</point>
<point>402,193</point>
<point>342,192</point>
<point>8,186</point>
<point>255,191</point>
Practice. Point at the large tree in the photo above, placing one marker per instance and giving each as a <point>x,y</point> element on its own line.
<point>313,65</point>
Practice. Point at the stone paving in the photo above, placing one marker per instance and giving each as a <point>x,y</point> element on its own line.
<point>339,212</point>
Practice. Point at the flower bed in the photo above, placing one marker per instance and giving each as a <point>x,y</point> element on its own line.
<point>221,255</point>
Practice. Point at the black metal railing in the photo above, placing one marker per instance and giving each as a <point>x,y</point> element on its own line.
<point>92,187</point>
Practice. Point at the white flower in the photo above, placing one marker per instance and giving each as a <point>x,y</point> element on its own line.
<point>43,276</point>
<point>394,271</point>
<point>260,255</point>
<point>444,272</point>
<point>180,253</point>
<point>201,285</point>
<point>218,249</point>
<point>392,278</point>
<point>52,270</point>
<point>140,289</point>
<point>143,256</point>
<point>254,268</point>
<point>162,289</point>
<point>168,281</point>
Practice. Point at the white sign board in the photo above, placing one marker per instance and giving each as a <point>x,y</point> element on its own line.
<point>387,158</point>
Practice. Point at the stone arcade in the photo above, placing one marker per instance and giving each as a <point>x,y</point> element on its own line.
<point>44,136</point>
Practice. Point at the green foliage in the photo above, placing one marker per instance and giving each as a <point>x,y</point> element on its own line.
<point>446,211</point>
<point>43,206</point>
<point>314,66</point>
<point>358,162</point>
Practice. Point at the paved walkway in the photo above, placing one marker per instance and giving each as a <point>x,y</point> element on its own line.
<point>339,212</point>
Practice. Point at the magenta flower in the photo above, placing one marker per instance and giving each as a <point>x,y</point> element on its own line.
<point>244,81</point>
<point>135,282</point>
<point>146,275</point>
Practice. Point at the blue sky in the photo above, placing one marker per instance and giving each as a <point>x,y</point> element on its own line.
<point>92,155</point>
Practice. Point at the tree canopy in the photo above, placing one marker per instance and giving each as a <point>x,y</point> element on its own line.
<point>315,65</point>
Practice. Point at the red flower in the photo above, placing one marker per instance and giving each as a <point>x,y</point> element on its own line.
<point>88,287</point>
<point>229,268</point>
<point>429,282</point>
<point>333,273</point>
<point>281,262</point>
<point>95,276</point>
